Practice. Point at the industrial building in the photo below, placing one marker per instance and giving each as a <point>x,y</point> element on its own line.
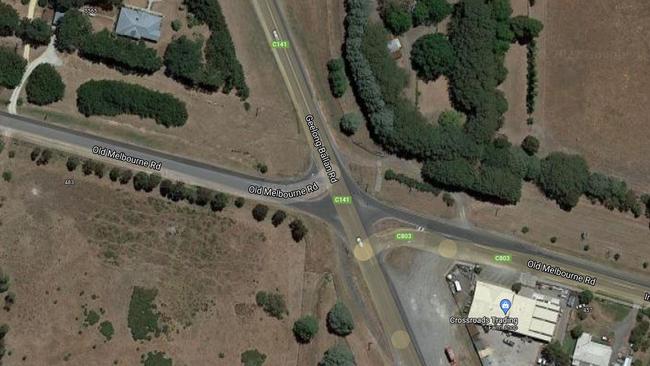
<point>537,316</point>
<point>588,353</point>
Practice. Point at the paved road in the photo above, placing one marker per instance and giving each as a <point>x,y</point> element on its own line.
<point>351,221</point>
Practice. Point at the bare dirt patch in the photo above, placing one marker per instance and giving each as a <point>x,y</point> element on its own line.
<point>218,130</point>
<point>87,245</point>
<point>595,82</point>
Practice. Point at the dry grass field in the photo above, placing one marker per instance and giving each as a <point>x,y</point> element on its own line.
<point>594,84</point>
<point>218,130</point>
<point>71,249</point>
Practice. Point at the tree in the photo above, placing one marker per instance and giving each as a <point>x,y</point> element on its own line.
<point>239,202</point>
<point>278,217</point>
<point>427,12</point>
<point>336,77</point>
<point>339,320</point>
<point>305,328</point>
<point>585,297</point>
<point>397,19</point>
<point>183,62</point>
<point>4,282</point>
<point>260,211</point>
<point>72,163</point>
<point>72,30</point>
<point>350,122</point>
<point>12,67</point>
<point>44,85</point>
<point>140,181</point>
<point>9,20</point>
<point>530,145</point>
<point>516,287</point>
<point>272,302</point>
<point>219,201</point>
<point>554,353</point>
<point>577,331</point>
<point>338,355</point>
<point>36,32</point>
<point>4,329</point>
<point>177,25</point>
<point>7,175</point>
<point>125,176</point>
<point>253,357</point>
<point>298,230</point>
<point>525,28</point>
<point>564,178</point>
<point>114,174</point>
<point>165,187</point>
<point>432,56</point>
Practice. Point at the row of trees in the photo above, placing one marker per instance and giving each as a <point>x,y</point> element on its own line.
<point>411,182</point>
<point>74,32</point>
<point>297,227</point>
<point>12,68</point>
<point>35,32</point>
<point>336,77</point>
<point>531,76</point>
<point>220,50</point>
<point>111,97</point>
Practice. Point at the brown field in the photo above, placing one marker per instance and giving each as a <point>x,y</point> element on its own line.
<point>87,245</point>
<point>218,130</point>
<point>594,84</point>
<point>608,232</point>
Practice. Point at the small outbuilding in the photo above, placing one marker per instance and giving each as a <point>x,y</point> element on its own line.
<point>138,23</point>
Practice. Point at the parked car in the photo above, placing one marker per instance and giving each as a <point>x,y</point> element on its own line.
<point>451,356</point>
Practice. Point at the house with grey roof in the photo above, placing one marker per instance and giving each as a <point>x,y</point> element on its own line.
<point>138,23</point>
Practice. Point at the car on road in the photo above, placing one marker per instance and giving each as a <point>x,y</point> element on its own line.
<point>451,356</point>
<point>359,241</point>
<point>276,35</point>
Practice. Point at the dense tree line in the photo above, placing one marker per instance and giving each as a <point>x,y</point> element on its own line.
<point>525,29</point>
<point>44,85</point>
<point>336,77</point>
<point>110,98</point>
<point>350,122</point>
<point>64,5</point>
<point>427,12</point>
<point>411,182</point>
<point>183,62</point>
<point>12,68</point>
<point>127,56</point>
<point>531,76</point>
<point>220,51</point>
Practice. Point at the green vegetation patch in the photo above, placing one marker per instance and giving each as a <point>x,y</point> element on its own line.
<point>9,20</point>
<point>12,67</point>
<point>143,318</point>
<point>111,97</point>
<point>92,317</point>
<point>253,357</point>
<point>156,358</point>
<point>273,303</point>
<point>44,85</point>
<point>127,56</point>
<point>106,329</point>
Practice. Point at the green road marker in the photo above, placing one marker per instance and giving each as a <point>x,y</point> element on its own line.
<point>404,236</point>
<point>280,44</point>
<point>503,258</point>
<point>342,200</point>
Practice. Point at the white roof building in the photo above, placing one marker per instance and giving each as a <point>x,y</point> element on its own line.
<point>588,353</point>
<point>537,317</point>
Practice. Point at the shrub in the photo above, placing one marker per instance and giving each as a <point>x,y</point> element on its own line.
<point>36,32</point>
<point>432,56</point>
<point>239,202</point>
<point>516,287</point>
<point>4,282</point>
<point>156,359</point>
<point>530,145</point>
<point>525,28</point>
<point>556,354</point>
<point>127,56</point>
<point>585,297</point>
<point>396,18</point>
<point>336,77</point>
<point>338,355</point>
<point>638,333</point>
<point>448,199</point>
<point>9,20</point>
<point>12,67</point>
<point>176,25</point>
<point>349,123</point>
<point>220,52</point>
<point>339,320</point>
<point>125,176</point>
<point>219,201</point>
<point>110,98</point>
<point>142,317</point>
<point>253,357</point>
<point>272,303</point>
<point>563,178</point>
<point>44,85</point>
<point>114,174</point>
<point>7,175</point>
<point>260,211</point>
<point>278,217</point>
<point>92,317</point>
<point>298,230</point>
<point>305,328</point>
<point>72,30</point>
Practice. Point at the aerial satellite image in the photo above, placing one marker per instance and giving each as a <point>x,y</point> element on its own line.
<point>324,183</point>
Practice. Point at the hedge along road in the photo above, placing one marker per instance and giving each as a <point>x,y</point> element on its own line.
<point>312,185</point>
